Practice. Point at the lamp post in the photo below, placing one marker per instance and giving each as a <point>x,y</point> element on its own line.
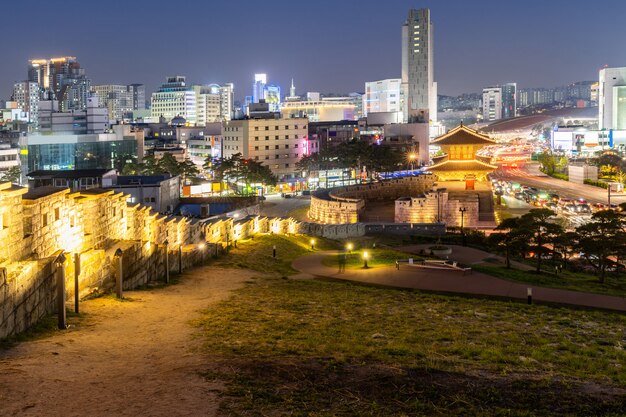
<point>349,247</point>
<point>463,210</point>
<point>180,258</point>
<point>312,244</point>
<point>201,247</point>
<point>412,157</point>
<point>60,281</point>
<point>365,257</point>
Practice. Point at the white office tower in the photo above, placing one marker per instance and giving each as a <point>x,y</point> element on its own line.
<point>27,95</point>
<point>418,71</point>
<point>492,103</point>
<point>175,98</point>
<point>612,98</point>
<point>258,88</point>
<point>227,100</point>
<point>383,96</point>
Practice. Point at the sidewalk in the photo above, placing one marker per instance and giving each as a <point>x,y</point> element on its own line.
<point>455,282</point>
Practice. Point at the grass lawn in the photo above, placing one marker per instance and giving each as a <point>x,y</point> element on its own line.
<point>315,348</point>
<point>574,281</point>
<point>301,214</point>
<point>256,254</point>
<point>376,257</point>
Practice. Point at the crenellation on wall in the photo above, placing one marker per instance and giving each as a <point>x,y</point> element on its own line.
<point>343,205</point>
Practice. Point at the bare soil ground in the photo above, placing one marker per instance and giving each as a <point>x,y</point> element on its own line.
<point>126,358</point>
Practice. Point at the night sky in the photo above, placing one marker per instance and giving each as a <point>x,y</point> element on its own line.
<point>325,45</point>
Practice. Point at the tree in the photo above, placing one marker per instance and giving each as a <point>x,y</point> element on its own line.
<point>548,163</point>
<point>540,230</point>
<point>12,175</point>
<point>514,240</point>
<point>604,236</point>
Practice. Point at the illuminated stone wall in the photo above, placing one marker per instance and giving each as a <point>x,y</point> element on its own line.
<point>423,209</point>
<point>343,205</point>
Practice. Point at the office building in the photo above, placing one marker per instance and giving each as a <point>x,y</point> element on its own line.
<point>500,102</point>
<point>139,96</point>
<point>326,109</point>
<point>94,119</point>
<point>27,95</point>
<point>383,96</point>
<point>62,151</point>
<point>175,98</point>
<point>64,79</point>
<point>258,88</point>
<point>227,100</point>
<point>160,192</point>
<point>117,99</point>
<point>276,142</point>
<point>418,74</point>
<point>492,103</point>
<point>612,98</point>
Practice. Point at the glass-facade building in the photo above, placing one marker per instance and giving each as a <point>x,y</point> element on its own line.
<point>76,154</point>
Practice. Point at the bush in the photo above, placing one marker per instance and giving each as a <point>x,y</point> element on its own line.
<point>595,183</point>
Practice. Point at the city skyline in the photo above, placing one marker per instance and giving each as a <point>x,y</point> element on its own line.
<point>466,37</point>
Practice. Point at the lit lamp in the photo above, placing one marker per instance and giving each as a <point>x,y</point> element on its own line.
<point>201,247</point>
<point>349,247</point>
<point>312,244</point>
<point>412,158</point>
<point>365,257</point>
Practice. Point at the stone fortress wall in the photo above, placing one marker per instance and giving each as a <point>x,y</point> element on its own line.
<point>88,227</point>
<point>343,205</point>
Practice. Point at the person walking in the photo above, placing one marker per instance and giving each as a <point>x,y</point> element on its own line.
<point>342,261</point>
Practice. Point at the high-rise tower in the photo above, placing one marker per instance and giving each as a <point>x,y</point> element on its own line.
<point>418,74</point>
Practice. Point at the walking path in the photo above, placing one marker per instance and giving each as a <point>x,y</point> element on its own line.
<point>454,282</point>
<point>128,358</point>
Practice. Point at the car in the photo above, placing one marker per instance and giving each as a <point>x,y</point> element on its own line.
<point>552,206</point>
<point>599,207</point>
<point>519,196</point>
<point>570,208</point>
<point>288,196</point>
<point>262,198</point>
<point>583,208</point>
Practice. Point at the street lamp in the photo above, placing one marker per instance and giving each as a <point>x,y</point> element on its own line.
<point>462,210</point>
<point>312,244</point>
<point>412,158</point>
<point>349,247</point>
<point>365,257</point>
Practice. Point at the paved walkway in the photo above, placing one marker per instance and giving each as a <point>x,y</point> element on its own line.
<point>454,282</point>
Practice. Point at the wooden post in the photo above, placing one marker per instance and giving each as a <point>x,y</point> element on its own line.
<point>167,262</point>
<point>60,278</point>
<point>119,283</point>
<point>76,282</point>
<point>180,259</point>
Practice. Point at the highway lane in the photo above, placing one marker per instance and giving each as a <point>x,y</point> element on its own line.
<point>531,176</point>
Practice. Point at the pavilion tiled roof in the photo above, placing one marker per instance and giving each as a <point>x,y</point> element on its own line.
<point>462,135</point>
<point>471,165</point>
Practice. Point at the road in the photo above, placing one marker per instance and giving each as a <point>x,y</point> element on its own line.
<point>277,206</point>
<point>531,176</point>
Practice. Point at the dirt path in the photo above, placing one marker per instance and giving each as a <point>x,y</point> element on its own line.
<point>129,358</point>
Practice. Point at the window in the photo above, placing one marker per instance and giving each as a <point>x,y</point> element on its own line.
<point>286,165</point>
<point>276,137</point>
<point>256,138</point>
<point>57,214</point>
<point>286,146</point>
<point>295,146</point>
<point>267,157</point>
<point>256,148</point>
<point>256,158</point>
<point>267,148</point>
<point>267,128</point>
<point>44,220</point>
<point>267,138</point>
<point>286,136</point>
<point>276,147</point>
<point>286,127</point>
<point>275,127</point>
